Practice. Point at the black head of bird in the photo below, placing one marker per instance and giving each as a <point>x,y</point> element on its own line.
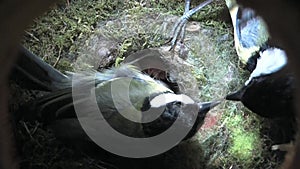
<point>123,89</point>
<point>177,106</point>
<point>269,90</point>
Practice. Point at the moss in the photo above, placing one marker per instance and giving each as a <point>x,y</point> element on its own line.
<point>199,75</point>
<point>214,11</point>
<point>62,30</point>
<point>65,65</point>
<point>246,144</point>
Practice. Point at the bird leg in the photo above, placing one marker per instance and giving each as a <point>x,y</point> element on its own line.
<point>179,27</point>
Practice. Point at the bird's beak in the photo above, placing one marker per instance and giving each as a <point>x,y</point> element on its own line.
<point>206,106</point>
<point>237,95</point>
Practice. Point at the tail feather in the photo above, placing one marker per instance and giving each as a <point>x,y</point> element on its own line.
<point>55,106</point>
<point>50,107</point>
<point>36,74</point>
<point>66,108</point>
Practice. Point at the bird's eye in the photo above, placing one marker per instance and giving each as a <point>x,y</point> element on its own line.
<point>178,103</point>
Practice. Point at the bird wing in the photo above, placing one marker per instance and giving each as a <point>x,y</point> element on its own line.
<point>252,30</point>
<point>115,92</point>
<point>251,34</point>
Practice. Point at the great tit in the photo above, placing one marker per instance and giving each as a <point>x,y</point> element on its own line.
<point>112,88</point>
<point>250,33</point>
<point>269,90</point>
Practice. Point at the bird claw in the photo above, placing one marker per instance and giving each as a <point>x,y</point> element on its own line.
<point>178,30</point>
<point>180,25</point>
<point>178,38</point>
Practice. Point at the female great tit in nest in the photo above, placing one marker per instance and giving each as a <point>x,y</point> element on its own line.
<point>123,89</point>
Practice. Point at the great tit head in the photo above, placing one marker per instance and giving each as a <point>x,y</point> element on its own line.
<point>174,107</point>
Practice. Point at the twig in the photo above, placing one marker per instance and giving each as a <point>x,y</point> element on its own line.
<point>31,35</point>
<point>28,131</point>
<point>58,58</point>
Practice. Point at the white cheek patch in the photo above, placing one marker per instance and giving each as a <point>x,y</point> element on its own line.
<point>166,98</point>
<point>270,61</point>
